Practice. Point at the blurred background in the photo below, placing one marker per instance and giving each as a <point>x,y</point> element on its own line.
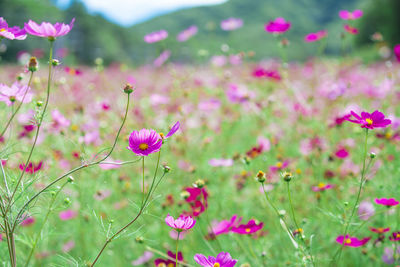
<point>114,30</point>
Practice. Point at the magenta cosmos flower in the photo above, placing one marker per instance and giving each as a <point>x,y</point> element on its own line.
<point>348,15</point>
<point>387,202</point>
<point>379,230</point>
<point>321,187</point>
<point>395,236</point>
<point>315,36</point>
<point>155,37</point>
<point>231,24</point>
<point>12,32</point>
<point>186,34</point>
<point>180,224</point>
<point>349,29</point>
<point>15,93</point>
<point>370,121</point>
<point>224,226</point>
<point>396,51</point>
<point>223,259</point>
<point>279,25</point>
<point>249,228</point>
<point>48,30</point>
<point>352,241</point>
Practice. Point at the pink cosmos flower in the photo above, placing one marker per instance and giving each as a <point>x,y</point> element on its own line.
<point>379,230</point>
<point>180,224</point>
<point>59,121</point>
<point>155,37</point>
<point>366,210</point>
<point>224,226</point>
<point>391,257</point>
<point>321,187</point>
<point>342,153</point>
<point>28,220</point>
<point>249,228</point>
<point>387,202</point>
<point>67,215</point>
<point>186,34</point>
<point>67,247</point>
<point>11,32</point>
<point>220,162</point>
<point>144,142</point>
<point>278,26</point>
<point>173,130</point>
<point>396,51</point>
<point>349,29</point>
<point>48,30</point>
<point>147,255</point>
<point>231,24</point>
<point>279,166</point>
<point>370,121</point>
<point>395,236</point>
<point>352,241</point>
<point>348,15</point>
<point>32,167</point>
<point>223,259</point>
<point>15,93</point>
<point>162,58</point>
<point>315,36</point>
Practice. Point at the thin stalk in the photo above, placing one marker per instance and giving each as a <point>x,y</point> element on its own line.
<point>18,107</point>
<point>176,250</point>
<point>362,180</point>
<point>37,128</point>
<point>4,179</point>
<point>143,193</point>
<point>74,170</point>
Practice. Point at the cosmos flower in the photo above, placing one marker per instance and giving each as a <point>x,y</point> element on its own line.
<point>144,142</point>
<point>277,26</point>
<point>279,166</point>
<point>15,93</point>
<point>186,34</point>
<point>370,121</point>
<point>379,230</point>
<point>349,29</point>
<point>162,58</point>
<point>231,24</point>
<point>223,259</point>
<point>224,226</point>
<point>173,130</point>
<point>391,256</point>
<point>28,220</point>
<point>348,15</point>
<point>67,215</point>
<point>180,224</point>
<point>249,228</point>
<point>352,241</point>
<point>342,153</point>
<point>321,187</point>
<point>395,236</point>
<point>220,162</point>
<point>155,37</point>
<point>315,36</point>
<point>396,51</point>
<point>32,167</point>
<point>168,262</point>
<point>147,255</point>
<point>387,202</point>
<point>366,210</point>
<point>59,121</point>
<point>48,30</point>
<point>11,32</point>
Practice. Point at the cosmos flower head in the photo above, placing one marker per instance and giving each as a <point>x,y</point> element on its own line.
<point>278,26</point>
<point>389,202</point>
<point>350,29</point>
<point>315,36</point>
<point>321,187</point>
<point>348,15</point>
<point>370,121</point>
<point>155,37</point>
<point>32,167</point>
<point>248,228</point>
<point>225,226</point>
<point>396,51</point>
<point>352,241</point>
<point>11,33</point>
<point>180,224</point>
<point>231,24</point>
<point>379,230</point>
<point>395,236</point>
<point>186,34</point>
<point>17,92</point>
<point>48,30</point>
<point>223,259</point>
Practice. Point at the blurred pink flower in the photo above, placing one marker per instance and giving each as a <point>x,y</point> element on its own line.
<point>349,29</point>
<point>147,255</point>
<point>59,121</point>
<point>348,15</point>
<point>155,37</point>
<point>162,58</point>
<point>218,61</point>
<point>15,93</point>
<point>186,34</point>
<point>174,234</point>
<point>396,51</point>
<point>315,36</point>
<point>231,24</point>
<point>220,162</point>
<point>11,32</point>
<point>28,220</point>
<point>352,241</point>
<point>321,187</point>
<point>277,26</point>
<point>366,210</point>
<point>67,215</point>
<point>48,30</point>
<point>341,153</point>
<point>67,247</point>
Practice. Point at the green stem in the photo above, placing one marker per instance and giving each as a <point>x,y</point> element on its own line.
<point>176,251</point>
<point>143,193</point>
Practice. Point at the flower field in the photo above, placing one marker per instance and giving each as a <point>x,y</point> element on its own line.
<point>230,163</point>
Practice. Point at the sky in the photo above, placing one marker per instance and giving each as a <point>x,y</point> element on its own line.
<point>129,12</point>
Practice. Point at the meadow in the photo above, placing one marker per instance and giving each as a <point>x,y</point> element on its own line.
<point>276,163</point>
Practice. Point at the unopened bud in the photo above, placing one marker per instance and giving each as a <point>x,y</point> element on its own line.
<point>70,179</point>
<point>261,176</point>
<point>372,155</point>
<point>39,104</point>
<point>55,62</point>
<point>128,88</point>
<point>287,176</point>
<point>20,77</point>
<point>67,201</point>
<point>139,239</point>
<point>33,64</point>
<point>246,160</point>
<point>199,183</point>
<point>167,168</point>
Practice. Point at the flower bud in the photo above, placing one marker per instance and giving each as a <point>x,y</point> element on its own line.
<point>128,88</point>
<point>246,160</point>
<point>55,62</point>
<point>70,179</point>
<point>67,201</point>
<point>139,239</point>
<point>287,176</point>
<point>166,168</point>
<point>20,77</point>
<point>33,64</point>
<point>372,155</point>
<point>261,176</point>
<point>199,183</point>
<point>39,104</point>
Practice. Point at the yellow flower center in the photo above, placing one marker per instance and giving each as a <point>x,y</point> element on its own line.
<point>74,127</point>
<point>216,264</point>
<point>2,30</point>
<point>247,230</point>
<point>279,164</point>
<point>143,146</point>
<point>398,235</point>
<point>300,230</point>
<point>321,185</point>
<point>347,241</point>
<point>171,265</point>
<point>162,264</point>
<point>380,230</point>
<point>369,121</point>
<point>388,135</point>
<point>162,135</point>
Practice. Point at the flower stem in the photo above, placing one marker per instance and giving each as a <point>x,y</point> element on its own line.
<point>143,193</point>
<point>176,251</point>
